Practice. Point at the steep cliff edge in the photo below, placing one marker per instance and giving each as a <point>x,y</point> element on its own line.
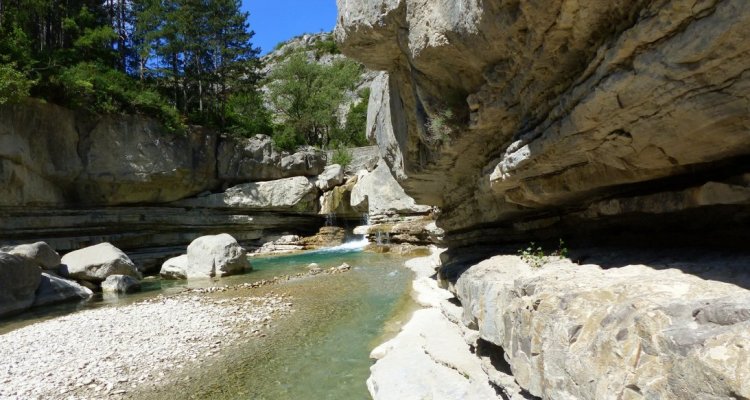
<point>537,120</point>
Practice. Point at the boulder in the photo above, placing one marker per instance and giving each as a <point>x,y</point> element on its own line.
<point>40,252</point>
<point>332,176</point>
<point>295,194</point>
<point>53,289</point>
<point>660,334</point>
<point>120,284</point>
<point>308,162</point>
<point>379,193</point>
<point>215,256</point>
<point>19,280</point>
<point>175,268</point>
<point>96,263</point>
<point>256,159</point>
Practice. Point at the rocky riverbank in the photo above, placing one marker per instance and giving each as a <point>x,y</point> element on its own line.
<point>520,327</point>
<point>109,352</point>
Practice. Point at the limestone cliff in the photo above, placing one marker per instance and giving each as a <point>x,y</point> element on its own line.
<point>526,120</point>
<point>620,123</point>
<point>72,180</point>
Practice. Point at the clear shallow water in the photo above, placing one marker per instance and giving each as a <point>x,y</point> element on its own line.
<point>321,351</point>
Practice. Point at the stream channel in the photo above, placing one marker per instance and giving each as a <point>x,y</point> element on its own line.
<point>320,351</point>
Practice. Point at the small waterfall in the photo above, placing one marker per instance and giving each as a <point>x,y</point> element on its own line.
<point>331,219</point>
<point>365,219</point>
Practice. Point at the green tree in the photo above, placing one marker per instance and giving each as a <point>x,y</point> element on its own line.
<point>306,95</point>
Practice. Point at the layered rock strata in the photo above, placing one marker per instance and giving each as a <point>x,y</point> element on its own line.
<point>531,119</point>
<point>579,331</point>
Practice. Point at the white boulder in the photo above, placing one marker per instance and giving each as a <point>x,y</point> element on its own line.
<point>215,256</point>
<point>96,263</point>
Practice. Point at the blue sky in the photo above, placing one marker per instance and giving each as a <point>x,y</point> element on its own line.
<point>275,21</point>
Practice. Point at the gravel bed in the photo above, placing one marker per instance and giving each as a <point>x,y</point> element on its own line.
<point>109,352</point>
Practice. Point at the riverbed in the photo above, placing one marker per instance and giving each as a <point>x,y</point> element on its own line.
<point>318,351</point>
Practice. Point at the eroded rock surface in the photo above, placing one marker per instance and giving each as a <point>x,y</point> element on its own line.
<point>511,112</point>
<point>297,194</point>
<point>579,331</point>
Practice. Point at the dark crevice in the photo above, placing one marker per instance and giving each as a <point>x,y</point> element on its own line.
<point>495,353</point>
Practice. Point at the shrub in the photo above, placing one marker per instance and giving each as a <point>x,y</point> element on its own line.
<point>342,156</point>
<point>439,127</point>
<point>536,257</point>
<point>14,85</point>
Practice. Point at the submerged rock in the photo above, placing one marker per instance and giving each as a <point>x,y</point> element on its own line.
<point>215,256</point>
<point>96,263</point>
<point>19,279</point>
<point>120,284</point>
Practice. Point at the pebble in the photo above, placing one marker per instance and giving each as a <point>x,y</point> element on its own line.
<point>108,351</point>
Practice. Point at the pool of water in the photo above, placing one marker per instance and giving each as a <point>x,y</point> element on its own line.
<point>321,351</point>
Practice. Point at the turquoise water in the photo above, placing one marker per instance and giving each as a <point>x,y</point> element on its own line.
<point>322,350</point>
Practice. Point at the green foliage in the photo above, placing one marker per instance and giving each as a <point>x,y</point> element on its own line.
<point>103,90</point>
<point>307,96</point>
<point>247,116</point>
<point>326,46</point>
<point>287,138</point>
<point>14,85</point>
<point>439,127</point>
<point>353,133</point>
<point>342,156</point>
<point>164,58</point>
<point>536,257</point>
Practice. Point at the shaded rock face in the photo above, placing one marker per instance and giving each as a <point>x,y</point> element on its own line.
<point>256,159</point>
<point>39,252</point>
<point>53,289</point>
<point>506,113</point>
<point>96,263</point>
<point>578,331</point>
<point>49,156</point>
<point>19,279</point>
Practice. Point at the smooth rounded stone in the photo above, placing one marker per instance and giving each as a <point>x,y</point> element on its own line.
<point>19,279</point>
<point>120,284</point>
<point>332,176</point>
<point>96,263</point>
<point>175,268</point>
<point>314,269</point>
<point>313,265</point>
<point>215,256</point>
<point>53,289</point>
<point>40,252</point>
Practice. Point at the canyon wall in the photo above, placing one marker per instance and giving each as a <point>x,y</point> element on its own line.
<point>74,180</point>
<point>530,120</point>
<point>620,127</point>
